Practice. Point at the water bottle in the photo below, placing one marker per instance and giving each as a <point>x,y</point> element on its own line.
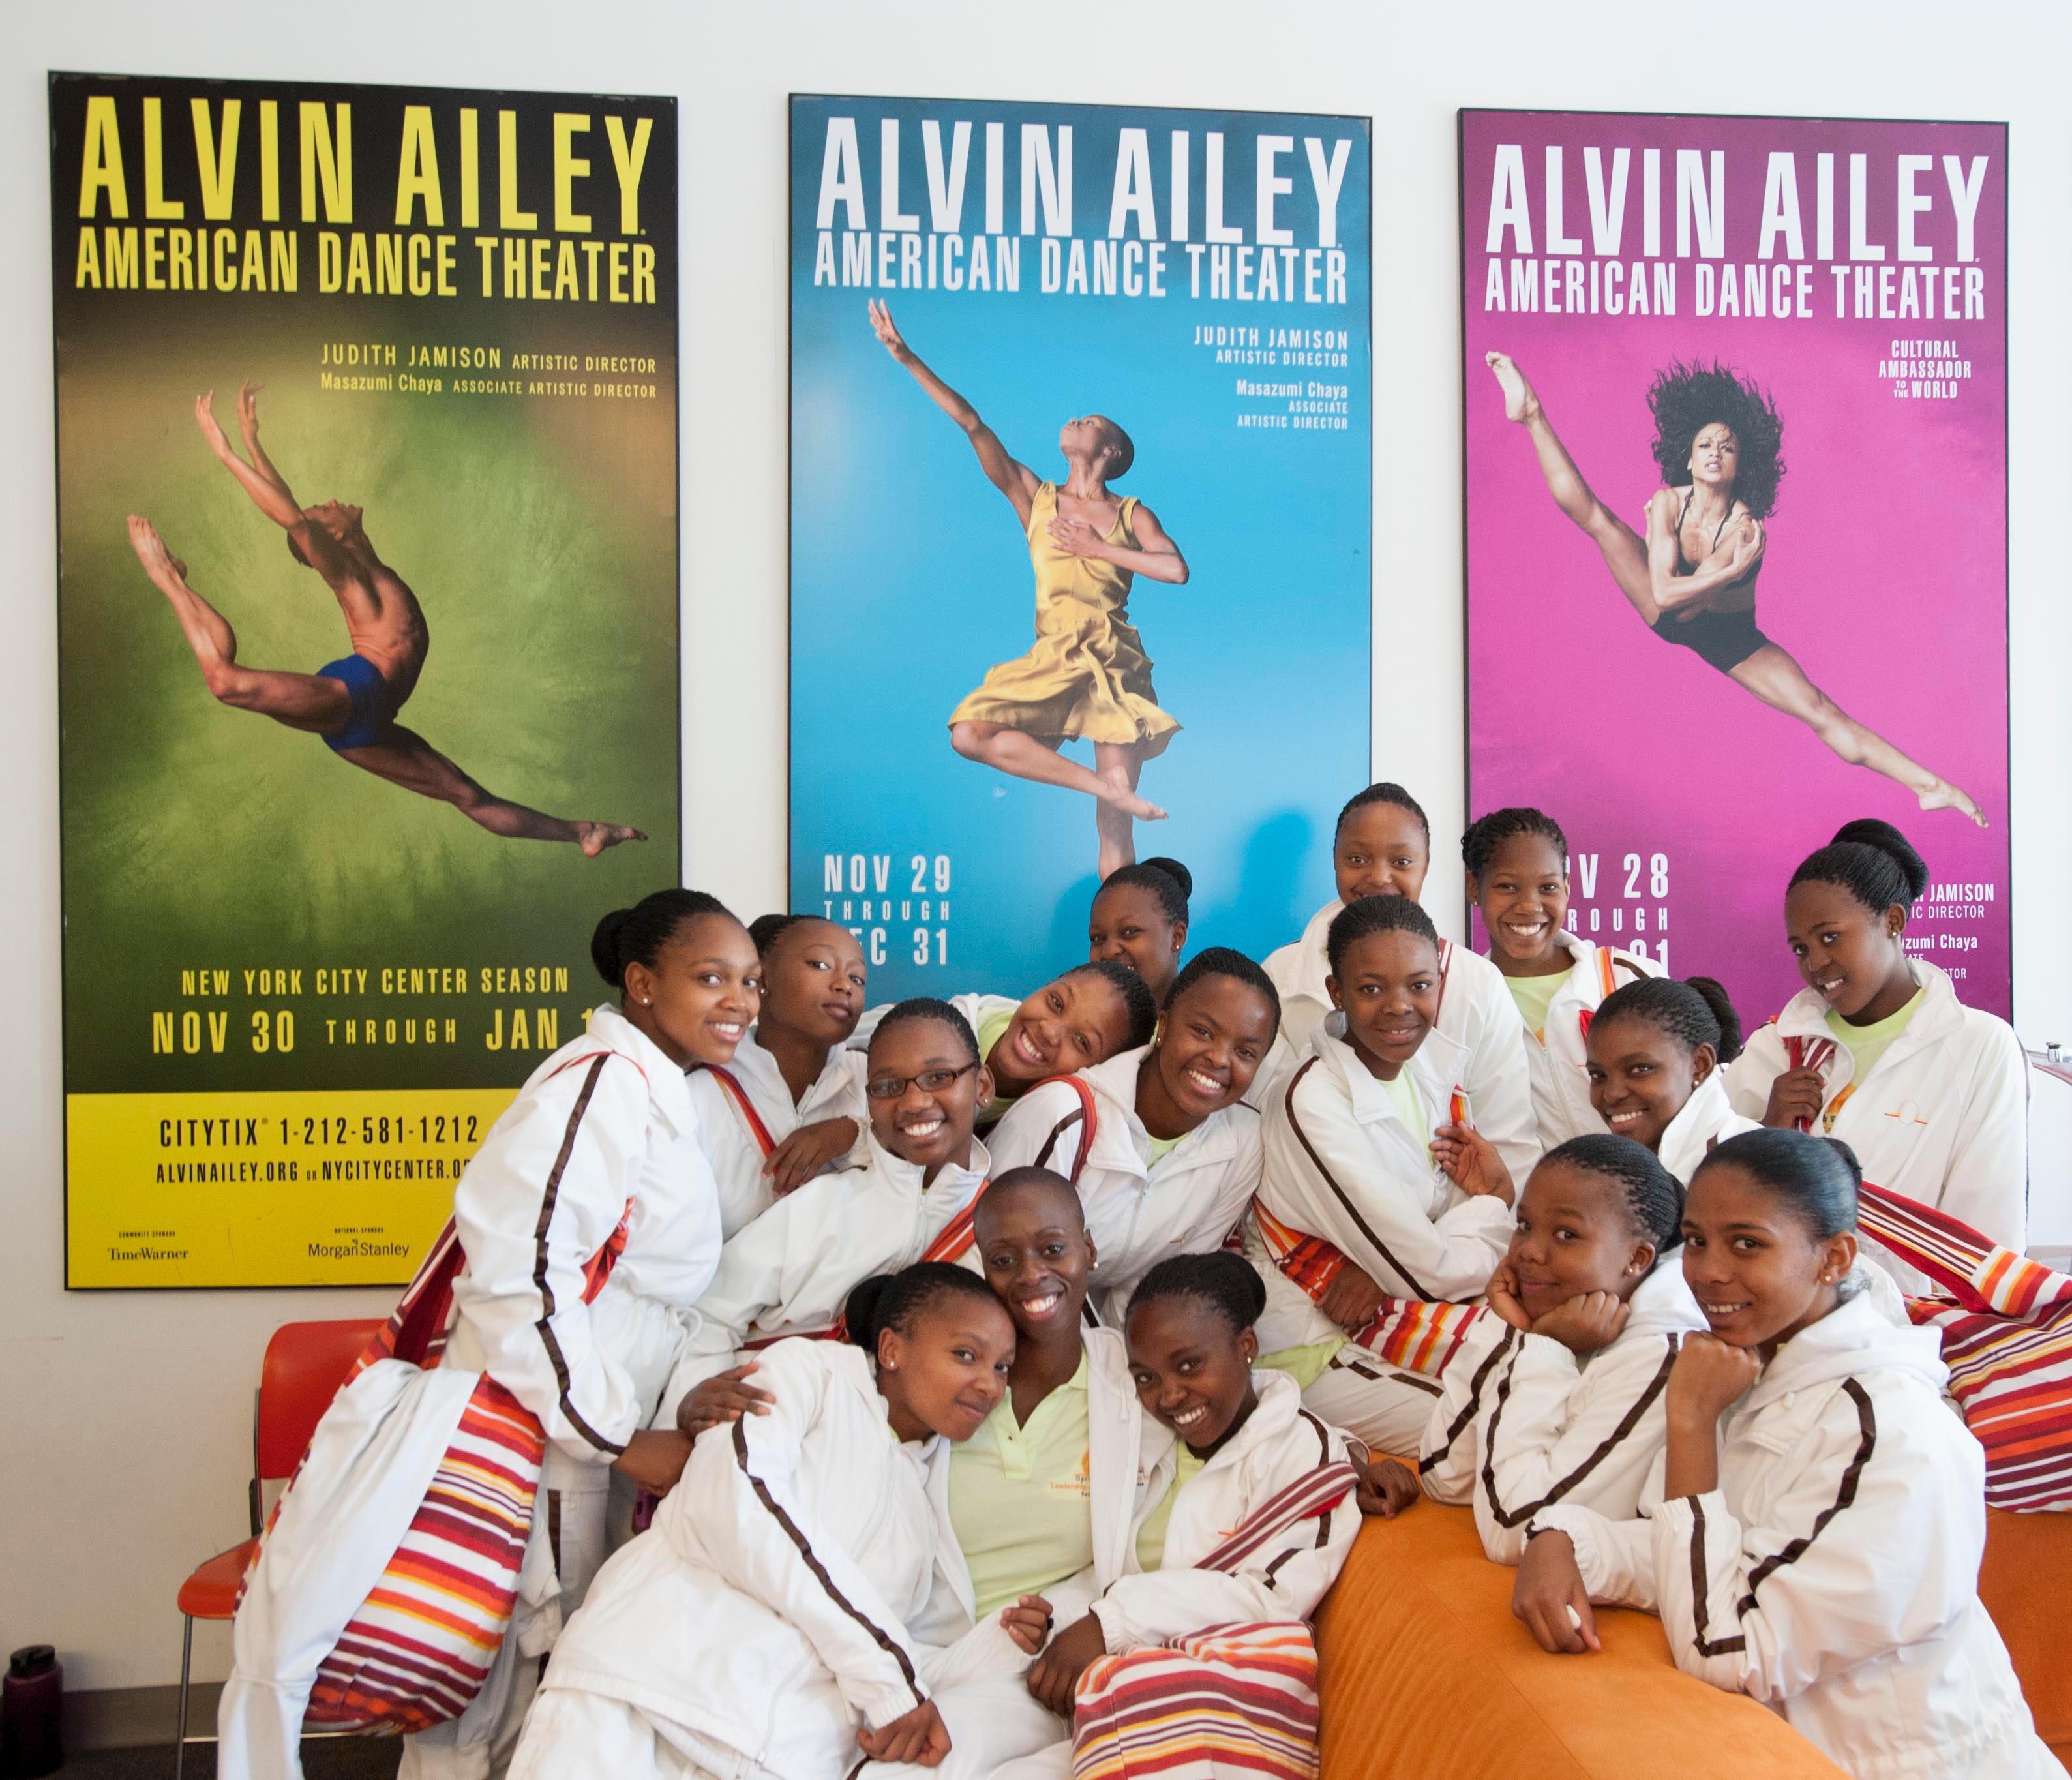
<point>31,1699</point>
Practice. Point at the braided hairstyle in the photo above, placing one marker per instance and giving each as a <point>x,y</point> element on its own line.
<point>1479,845</point>
<point>1376,914</point>
<point>637,935</point>
<point>1652,1198</point>
<point>1386,792</point>
<point>1694,1012</point>
<point>1222,961</point>
<point>1170,882</point>
<point>1871,860</point>
<point>926,1007</point>
<point>764,929</point>
<point>1816,1177</point>
<point>1139,1006</point>
<point>897,1300</point>
<point>1227,1283</point>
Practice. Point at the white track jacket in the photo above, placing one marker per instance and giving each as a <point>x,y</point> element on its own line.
<point>1341,1164</point>
<point>1944,1117</point>
<point>584,1144</point>
<point>795,1585</point>
<point>1707,1120</point>
<point>791,1271</point>
<point>1524,1423</point>
<point>731,1144</point>
<point>1138,1212</point>
<point>1833,1575</point>
<point>1280,1443</point>
<point>1475,1011</point>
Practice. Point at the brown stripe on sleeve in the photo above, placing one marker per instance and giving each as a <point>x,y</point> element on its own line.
<point>1468,1409</point>
<point>1845,1493</point>
<point>1352,1211</point>
<point>1700,1615</point>
<point>545,1324</point>
<point>1631,1420</point>
<point>791,1527</point>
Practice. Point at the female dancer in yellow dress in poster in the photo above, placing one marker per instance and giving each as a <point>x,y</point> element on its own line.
<point>1088,676</point>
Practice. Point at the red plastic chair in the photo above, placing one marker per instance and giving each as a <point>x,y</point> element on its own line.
<point>306,1363</point>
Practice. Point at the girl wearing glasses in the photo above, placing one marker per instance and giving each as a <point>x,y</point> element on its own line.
<point>1160,1141</point>
<point>790,1271</point>
<point>1076,1020</point>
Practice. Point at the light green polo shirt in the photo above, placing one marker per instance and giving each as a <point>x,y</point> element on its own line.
<point>1020,1498</point>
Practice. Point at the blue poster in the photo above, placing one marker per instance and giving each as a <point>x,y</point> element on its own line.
<point>1081,483</point>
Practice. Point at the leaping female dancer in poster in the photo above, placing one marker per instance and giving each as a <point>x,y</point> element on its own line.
<point>1692,580</point>
<point>1087,676</point>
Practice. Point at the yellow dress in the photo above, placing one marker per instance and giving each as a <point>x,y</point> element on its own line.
<point>1087,676</point>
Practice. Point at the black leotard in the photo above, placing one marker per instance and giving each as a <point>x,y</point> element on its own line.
<point>1720,639</point>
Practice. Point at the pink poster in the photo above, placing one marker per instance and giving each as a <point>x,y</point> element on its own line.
<point>1735,399</point>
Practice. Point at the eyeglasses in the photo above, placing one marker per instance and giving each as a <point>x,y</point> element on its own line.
<point>930,1081</point>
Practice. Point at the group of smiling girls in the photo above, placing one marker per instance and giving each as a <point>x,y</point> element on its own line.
<point>1005,1379</point>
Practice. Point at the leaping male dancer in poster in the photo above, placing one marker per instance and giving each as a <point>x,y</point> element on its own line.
<point>1087,676</point>
<point>351,702</point>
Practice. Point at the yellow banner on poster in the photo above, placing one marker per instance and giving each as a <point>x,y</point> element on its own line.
<point>266,1189</point>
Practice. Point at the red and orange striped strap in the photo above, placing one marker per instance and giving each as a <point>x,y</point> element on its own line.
<point>735,1092</point>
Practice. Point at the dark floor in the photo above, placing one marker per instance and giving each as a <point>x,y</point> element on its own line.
<point>331,1758</point>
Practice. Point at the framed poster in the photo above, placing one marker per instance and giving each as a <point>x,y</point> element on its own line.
<point>367,527</point>
<point>1007,678</point>
<point>1756,366</point>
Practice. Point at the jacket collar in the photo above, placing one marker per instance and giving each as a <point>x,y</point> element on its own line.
<point>881,1163</point>
<point>668,1097</point>
<point>1122,1146</point>
<point>1805,1015</point>
<point>1855,1337</point>
<point>1708,1115</point>
<point>1662,1302</point>
<point>756,1070</point>
<point>1436,1070</point>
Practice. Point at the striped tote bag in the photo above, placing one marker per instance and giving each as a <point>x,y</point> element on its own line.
<point>1225,1700</point>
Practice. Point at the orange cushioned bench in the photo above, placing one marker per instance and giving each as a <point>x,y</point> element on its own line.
<point>1426,1673</point>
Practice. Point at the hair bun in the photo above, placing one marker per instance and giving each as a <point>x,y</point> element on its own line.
<point>1713,992</point>
<point>604,946</point>
<point>860,1310</point>
<point>1174,869</point>
<point>1870,832</point>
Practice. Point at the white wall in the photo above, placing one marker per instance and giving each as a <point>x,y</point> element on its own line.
<point>126,1416</point>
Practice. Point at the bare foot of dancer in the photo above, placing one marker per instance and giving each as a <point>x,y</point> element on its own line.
<point>593,837</point>
<point>1121,797</point>
<point>1520,403</point>
<point>1943,795</point>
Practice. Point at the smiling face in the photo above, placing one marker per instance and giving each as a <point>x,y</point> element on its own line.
<point>700,995</point>
<point>1192,1369</point>
<point>1574,1235</point>
<point>1387,987</point>
<point>1849,955</point>
<point>814,981</point>
<point>1381,849</point>
<point>1210,1044</point>
<point>1523,896</point>
<point>1069,1024</point>
<point>947,1373</point>
<point>1128,925</point>
<point>928,1126</point>
<point>1033,1245</point>
<point>1757,1272</point>
<point>1641,1076</point>
<point>1716,456</point>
